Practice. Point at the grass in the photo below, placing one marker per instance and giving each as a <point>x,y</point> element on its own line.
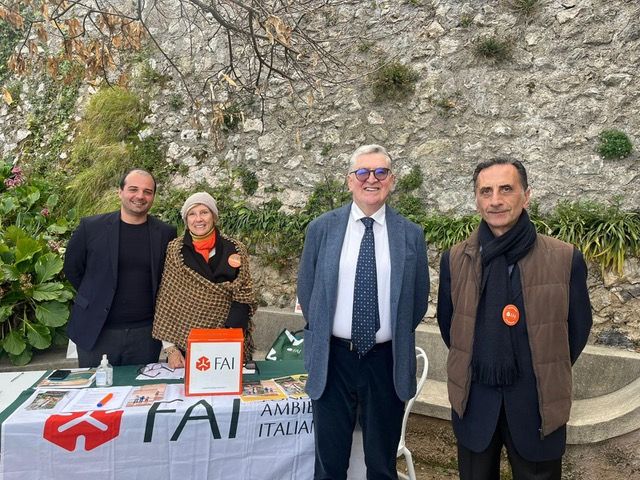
<point>394,81</point>
<point>113,114</point>
<point>525,7</point>
<point>493,48</point>
<point>108,145</point>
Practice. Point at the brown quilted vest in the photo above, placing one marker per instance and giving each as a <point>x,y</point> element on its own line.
<point>545,274</point>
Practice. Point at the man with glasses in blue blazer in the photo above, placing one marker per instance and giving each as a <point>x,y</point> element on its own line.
<point>363,285</point>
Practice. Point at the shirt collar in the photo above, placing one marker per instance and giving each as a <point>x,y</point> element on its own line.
<point>379,216</point>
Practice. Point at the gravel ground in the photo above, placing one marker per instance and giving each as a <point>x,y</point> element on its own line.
<point>433,448</point>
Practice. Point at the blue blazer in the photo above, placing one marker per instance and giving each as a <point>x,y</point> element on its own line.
<point>317,294</point>
<point>91,265</point>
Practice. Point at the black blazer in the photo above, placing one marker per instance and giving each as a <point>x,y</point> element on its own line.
<point>91,265</point>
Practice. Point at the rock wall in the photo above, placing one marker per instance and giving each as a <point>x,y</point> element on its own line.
<point>571,73</point>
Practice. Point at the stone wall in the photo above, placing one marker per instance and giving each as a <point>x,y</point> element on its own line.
<point>573,72</point>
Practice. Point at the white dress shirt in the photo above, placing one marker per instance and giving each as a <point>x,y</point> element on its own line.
<point>347,273</point>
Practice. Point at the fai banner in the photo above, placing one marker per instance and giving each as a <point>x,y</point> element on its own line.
<point>178,438</point>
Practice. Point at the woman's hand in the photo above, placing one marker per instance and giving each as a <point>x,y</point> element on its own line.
<point>175,359</point>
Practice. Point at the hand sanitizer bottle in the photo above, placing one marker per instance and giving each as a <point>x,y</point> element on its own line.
<point>104,373</point>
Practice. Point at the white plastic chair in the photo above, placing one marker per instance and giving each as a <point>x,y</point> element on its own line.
<point>402,448</point>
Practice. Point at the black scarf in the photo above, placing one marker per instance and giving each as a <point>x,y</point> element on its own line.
<point>494,359</point>
<point>217,269</point>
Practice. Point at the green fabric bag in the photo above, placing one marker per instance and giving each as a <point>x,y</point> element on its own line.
<point>287,346</point>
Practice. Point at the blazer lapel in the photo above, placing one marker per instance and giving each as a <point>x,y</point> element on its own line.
<point>397,246</point>
<point>113,240</point>
<point>335,237</point>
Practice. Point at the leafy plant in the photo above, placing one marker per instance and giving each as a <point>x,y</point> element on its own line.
<point>249,180</point>
<point>493,48</point>
<point>34,296</point>
<point>326,196</point>
<point>444,231</point>
<point>614,144</point>
<point>176,102</point>
<point>394,81</point>
<point>150,77</point>
<point>604,233</point>
<point>411,181</point>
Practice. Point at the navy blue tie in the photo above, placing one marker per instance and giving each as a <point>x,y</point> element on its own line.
<point>366,318</point>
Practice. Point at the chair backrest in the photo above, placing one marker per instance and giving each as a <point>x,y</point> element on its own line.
<point>420,355</point>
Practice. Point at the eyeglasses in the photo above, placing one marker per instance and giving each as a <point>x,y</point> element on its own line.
<point>152,370</point>
<point>362,174</point>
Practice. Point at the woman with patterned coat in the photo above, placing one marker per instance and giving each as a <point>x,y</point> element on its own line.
<point>205,283</point>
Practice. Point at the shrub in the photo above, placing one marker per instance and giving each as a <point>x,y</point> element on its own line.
<point>34,297</point>
<point>394,81</point>
<point>493,48</point>
<point>614,144</point>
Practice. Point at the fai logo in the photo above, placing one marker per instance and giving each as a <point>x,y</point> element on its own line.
<point>203,364</point>
<point>96,428</point>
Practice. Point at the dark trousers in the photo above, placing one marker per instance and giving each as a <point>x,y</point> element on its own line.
<point>123,346</point>
<point>365,386</point>
<point>485,465</point>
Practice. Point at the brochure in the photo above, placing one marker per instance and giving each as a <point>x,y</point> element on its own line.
<point>261,390</point>
<point>146,395</point>
<point>78,378</point>
<point>293,385</point>
<point>47,400</point>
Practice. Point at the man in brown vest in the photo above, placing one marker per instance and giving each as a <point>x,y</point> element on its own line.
<point>514,310</point>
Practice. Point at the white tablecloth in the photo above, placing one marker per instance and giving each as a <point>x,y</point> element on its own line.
<point>185,438</point>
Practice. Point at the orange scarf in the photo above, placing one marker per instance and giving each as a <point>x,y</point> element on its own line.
<point>204,245</point>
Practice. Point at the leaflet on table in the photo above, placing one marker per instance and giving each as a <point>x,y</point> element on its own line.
<point>259,390</point>
<point>146,395</point>
<point>98,399</point>
<point>48,400</point>
<point>78,378</point>
<point>160,371</point>
<point>293,385</point>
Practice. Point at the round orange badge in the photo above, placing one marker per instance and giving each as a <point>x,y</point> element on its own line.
<point>234,260</point>
<point>510,315</point>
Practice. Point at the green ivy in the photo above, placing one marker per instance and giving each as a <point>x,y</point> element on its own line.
<point>49,119</point>
<point>9,37</point>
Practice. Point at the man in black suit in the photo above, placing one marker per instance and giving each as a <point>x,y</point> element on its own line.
<point>115,262</point>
